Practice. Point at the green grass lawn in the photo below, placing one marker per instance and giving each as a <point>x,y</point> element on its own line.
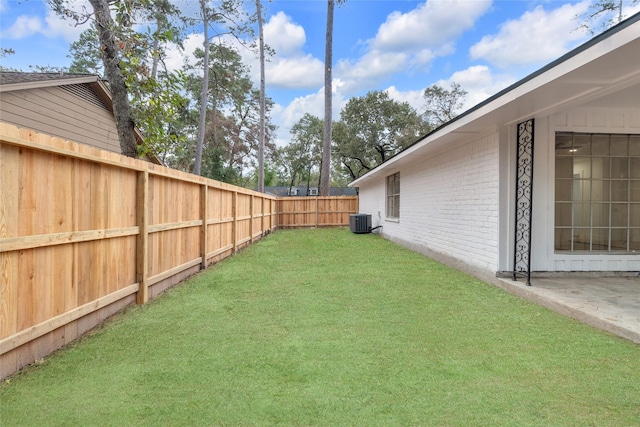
<point>328,328</point>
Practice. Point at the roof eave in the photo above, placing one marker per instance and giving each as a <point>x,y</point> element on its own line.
<point>48,83</point>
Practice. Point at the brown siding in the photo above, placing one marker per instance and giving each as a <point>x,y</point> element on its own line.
<point>59,113</point>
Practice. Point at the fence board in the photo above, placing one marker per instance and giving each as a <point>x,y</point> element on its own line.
<point>304,212</point>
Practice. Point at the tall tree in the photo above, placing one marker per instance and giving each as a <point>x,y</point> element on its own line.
<point>262,100</point>
<point>233,115</point>
<point>328,86</point>
<point>373,128</point>
<point>442,105</point>
<point>85,53</point>
<point>227,18</point>
<point>111,60</point>
<point>301,158</point>
<point>205,89</point>
<point>124,52</point>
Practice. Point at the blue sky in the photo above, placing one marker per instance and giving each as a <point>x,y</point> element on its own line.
<point>399,46</point>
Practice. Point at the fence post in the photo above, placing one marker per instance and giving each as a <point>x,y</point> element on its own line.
<point>142,246</point>
<point>317,212</point>
<point>251,220</point>
<point>234,230</point>
<point>204,194</point>
<point>262,200</point>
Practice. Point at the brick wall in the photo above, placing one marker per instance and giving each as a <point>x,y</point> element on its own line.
<point>448,204</point>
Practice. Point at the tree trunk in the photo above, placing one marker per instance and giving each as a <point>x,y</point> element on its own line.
<point>205,91</point>
<point>262,102</point>
<point>117,84</point>
<point>328,63</point>
<point>156,57</point>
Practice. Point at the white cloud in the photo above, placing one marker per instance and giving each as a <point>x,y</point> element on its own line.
<point>287,116</point>
<point>409,41</point>
<point>176,57</point>
<point>24,26</point>
<point>50,25</point>
<point>58,27</point>
<point>372,67</point>
<point>290,67</point>
<point>411,97</point>
<point>479,82</point>
<point>431,24</point>
<point>537,36</point>
<point>630,9</point>
<point>295,73</point>
<point>285,37</point>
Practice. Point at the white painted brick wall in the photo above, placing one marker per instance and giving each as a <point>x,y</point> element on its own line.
<point>448,204</point>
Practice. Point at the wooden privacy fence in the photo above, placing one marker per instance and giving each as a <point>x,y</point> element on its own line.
<point>315,211</point>
<point>85,233</point>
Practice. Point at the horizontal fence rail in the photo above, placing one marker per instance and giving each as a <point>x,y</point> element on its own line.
<point>85,233</point>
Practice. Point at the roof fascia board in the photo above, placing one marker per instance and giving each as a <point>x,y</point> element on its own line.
<point>48,83</point>
<point>103,92</point>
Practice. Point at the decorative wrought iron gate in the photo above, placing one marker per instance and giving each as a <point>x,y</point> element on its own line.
<point>524,202</point>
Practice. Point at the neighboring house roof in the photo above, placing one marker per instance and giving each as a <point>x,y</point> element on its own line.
<point>77,83</point>
<point>19,77</point>
<point>15,80</point>
<point>283,191</point>
<point>607,65</point>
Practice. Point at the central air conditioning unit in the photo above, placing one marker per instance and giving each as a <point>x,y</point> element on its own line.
<point>360,223</point>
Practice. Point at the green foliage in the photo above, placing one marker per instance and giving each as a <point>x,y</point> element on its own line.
<point>233,116</point>
<point>291,331</point>
<point>158,106</point>
<point>47,69</point>
<point>164,104</point>
<point>300,160</point>
<point>442,105</point>
<point>603,14</point>
<point>6,52</point>
<point>372,129</point>
<point>85,54</point>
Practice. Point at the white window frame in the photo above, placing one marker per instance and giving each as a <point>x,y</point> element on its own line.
<point>577,220</point>
<point>392,193</point>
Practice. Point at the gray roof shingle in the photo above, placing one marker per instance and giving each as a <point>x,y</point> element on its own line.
<point>12,77</point>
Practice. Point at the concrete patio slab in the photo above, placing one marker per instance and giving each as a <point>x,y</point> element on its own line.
<point>608,303</point>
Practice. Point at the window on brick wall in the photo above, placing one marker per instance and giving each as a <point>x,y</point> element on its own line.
<point>393,196</point>
<point>597,192</point>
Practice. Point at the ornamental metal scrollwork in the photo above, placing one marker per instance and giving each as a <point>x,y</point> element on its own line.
<point>523,201</point>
